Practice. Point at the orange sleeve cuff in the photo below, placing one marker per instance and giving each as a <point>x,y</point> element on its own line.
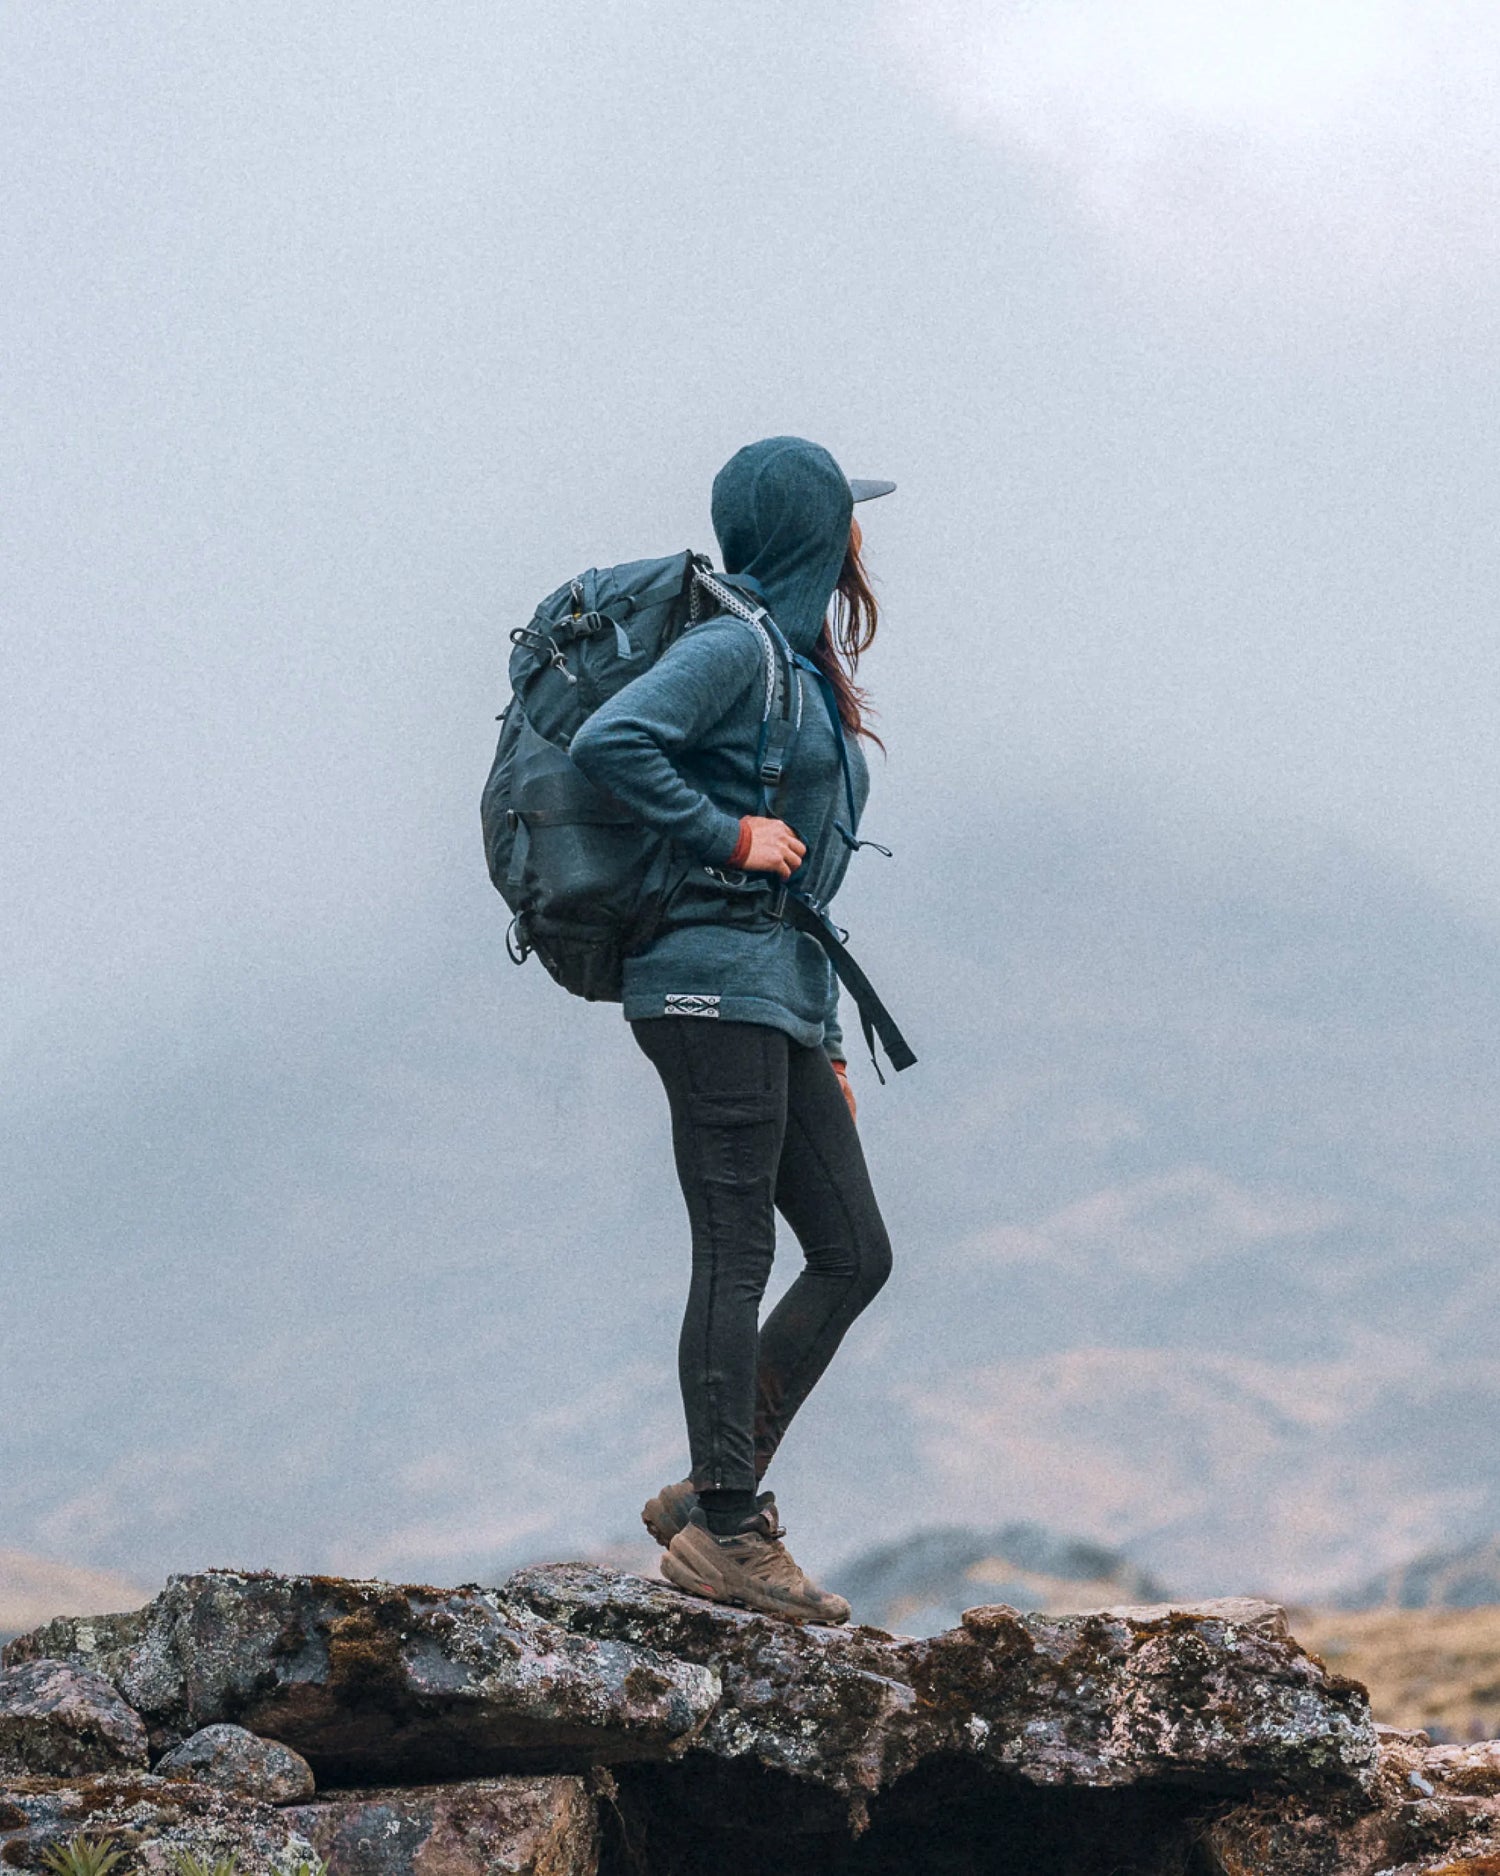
<point>742,846</point>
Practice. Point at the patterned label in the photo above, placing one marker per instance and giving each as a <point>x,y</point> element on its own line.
<point>687,1004</point>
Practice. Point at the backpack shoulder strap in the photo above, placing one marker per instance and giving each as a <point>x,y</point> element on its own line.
<point>841,737</point>
<point>781,710</point>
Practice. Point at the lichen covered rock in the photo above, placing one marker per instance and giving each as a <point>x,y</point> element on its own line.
<point>240,1761</point>
<point>479,1827</point>
<point>1162,1713</point>
<point>1210,1694</point>
<point>153,1820</point>
<point>61,1719</point>
<point>1428,1811</point>
<point>1207,1693</point>
<point>371,1680</point>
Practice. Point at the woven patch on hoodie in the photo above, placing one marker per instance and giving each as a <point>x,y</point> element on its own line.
<point>682,1004</point>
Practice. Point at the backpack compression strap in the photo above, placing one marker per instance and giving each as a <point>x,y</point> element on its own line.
<point>874,1018</point>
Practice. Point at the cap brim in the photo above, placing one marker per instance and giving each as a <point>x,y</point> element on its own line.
<point>867,491</point>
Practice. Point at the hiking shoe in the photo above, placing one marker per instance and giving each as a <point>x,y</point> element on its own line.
<point>665,1515</point>
<point>752,1569</point>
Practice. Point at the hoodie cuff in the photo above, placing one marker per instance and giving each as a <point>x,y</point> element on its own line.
<point>742,846</point>
<point>720,837</point>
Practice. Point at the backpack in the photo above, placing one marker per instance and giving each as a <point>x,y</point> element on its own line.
<point>586,883</point>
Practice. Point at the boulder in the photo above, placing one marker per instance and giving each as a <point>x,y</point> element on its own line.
<point>480,1827</point>
<point>61,1719</point>
<point>234,1760</point>
<point>376,1681</point>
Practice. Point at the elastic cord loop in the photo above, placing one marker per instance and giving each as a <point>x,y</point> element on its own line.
<point>854,845</point>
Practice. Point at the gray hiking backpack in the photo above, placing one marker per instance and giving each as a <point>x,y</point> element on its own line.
<point>586,883</point>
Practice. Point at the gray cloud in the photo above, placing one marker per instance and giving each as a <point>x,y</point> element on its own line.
<point>1348,148</point>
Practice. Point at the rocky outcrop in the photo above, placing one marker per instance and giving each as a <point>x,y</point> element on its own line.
<point>577,1719</point>
<point>571,1667</point>
<point>1213,1694</point>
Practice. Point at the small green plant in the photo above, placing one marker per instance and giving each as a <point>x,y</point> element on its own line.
<point>83,1856</point>
<point>97,1856</point>
<point>184,1863</point>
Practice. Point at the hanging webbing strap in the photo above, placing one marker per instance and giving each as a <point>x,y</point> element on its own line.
<point>874,1018</point>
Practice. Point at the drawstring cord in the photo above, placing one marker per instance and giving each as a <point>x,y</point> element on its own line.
<point>854,845</point>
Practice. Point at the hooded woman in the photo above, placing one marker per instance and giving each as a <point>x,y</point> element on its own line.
<point>737,1009</point>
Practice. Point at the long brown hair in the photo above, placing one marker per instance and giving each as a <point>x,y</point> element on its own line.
<point>848,632</point>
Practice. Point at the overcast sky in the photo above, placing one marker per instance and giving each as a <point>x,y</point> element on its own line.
<point>336,336</point>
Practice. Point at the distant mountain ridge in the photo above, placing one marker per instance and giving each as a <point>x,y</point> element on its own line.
<point>922,1584</point>
<point>1467,1577</point>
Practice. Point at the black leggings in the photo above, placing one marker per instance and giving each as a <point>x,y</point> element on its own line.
<point>759,1121</point>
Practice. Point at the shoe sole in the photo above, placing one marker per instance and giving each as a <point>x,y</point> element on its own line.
<point>695,1582</point>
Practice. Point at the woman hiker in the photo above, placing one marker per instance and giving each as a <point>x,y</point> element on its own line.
<point>737,1010</point>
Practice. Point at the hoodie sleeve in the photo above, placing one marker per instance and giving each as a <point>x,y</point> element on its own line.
<point>629,745</point>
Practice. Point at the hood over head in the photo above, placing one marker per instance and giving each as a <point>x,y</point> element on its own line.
<point>781,510</point>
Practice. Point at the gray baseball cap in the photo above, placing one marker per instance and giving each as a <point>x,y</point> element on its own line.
<point>867,491</point>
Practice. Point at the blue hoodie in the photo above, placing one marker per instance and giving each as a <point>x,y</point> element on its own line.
<point>679,746</point>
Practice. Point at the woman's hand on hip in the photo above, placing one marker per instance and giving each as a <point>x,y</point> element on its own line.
<point>841,1070</point>
<point>768,846</point>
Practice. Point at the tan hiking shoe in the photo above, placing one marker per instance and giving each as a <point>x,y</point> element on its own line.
<point>666,1514</point>
<point>752,1570</point>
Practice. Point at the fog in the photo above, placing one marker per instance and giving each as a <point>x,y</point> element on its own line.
<point>336,339</point>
